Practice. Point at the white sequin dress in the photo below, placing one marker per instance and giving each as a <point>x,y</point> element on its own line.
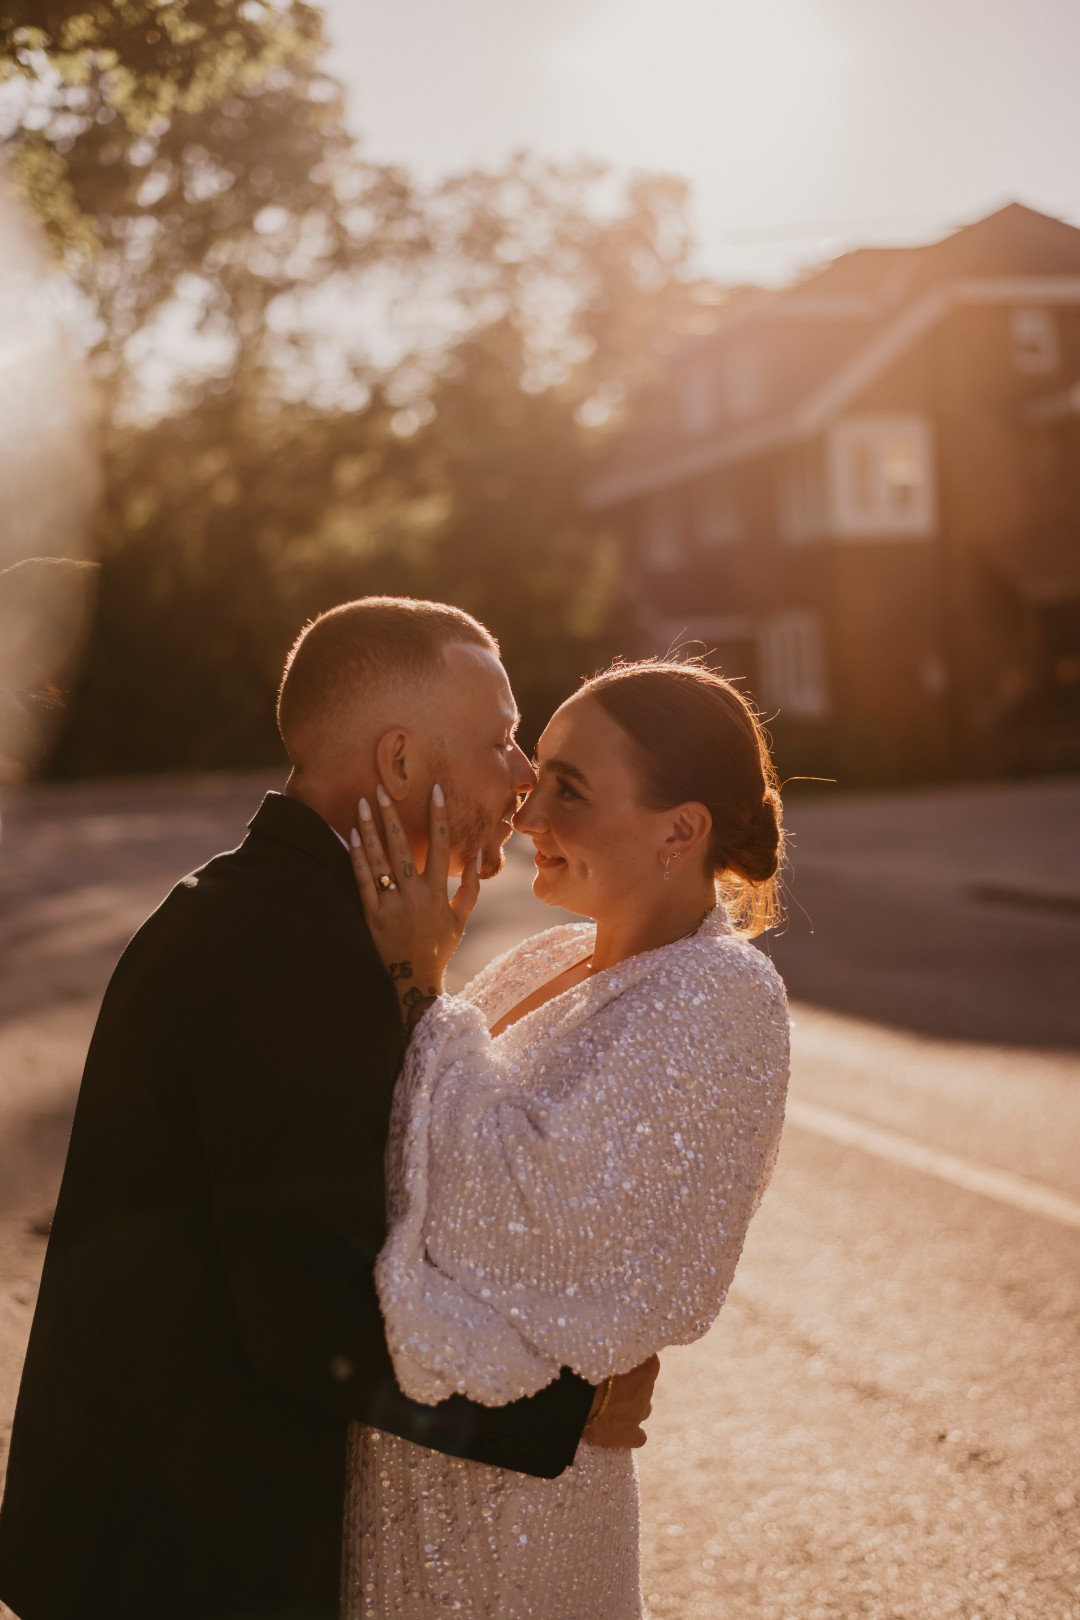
<point>574,1193</point>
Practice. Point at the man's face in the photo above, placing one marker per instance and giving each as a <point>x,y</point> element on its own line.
<point>479,765</point>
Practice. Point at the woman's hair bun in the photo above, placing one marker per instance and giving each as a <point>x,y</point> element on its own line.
<point>757,855</point>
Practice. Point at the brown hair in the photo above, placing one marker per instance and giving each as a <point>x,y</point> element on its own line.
<point>344,650</point>
<point>699,739</point>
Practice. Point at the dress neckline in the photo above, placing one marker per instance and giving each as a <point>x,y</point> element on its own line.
<point>714,925</point>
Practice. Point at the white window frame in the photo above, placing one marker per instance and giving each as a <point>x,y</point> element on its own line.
<point>793,674</point>
<point>872,513</point>
<point>1034,337</point>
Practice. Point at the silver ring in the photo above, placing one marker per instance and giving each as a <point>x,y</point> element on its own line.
<point>386,882</point>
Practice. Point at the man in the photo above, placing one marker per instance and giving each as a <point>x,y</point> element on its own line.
<point>207,1325</point>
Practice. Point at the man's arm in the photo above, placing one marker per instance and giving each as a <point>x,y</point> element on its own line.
<point>548,1423</point>
<point>292,1096</point>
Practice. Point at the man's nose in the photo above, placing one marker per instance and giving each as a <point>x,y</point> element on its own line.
<point>523,775</point>
<point>528,819</point>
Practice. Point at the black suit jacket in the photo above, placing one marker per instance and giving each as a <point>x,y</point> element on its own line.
<point>207,1323</point>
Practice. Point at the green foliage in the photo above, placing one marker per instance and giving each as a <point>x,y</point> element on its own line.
<point>223,530</point>
<point>192,153</point>
<point>192,165</point>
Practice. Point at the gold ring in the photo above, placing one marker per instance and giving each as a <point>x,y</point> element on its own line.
<point>386,881</point>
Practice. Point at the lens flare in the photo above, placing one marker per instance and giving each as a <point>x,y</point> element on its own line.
<point>49,481</point>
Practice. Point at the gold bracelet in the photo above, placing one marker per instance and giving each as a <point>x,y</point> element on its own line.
<point>609,1385</point>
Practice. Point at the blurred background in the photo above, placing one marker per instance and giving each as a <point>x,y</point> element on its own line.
<point>752,327</point>
<point>755,325</point>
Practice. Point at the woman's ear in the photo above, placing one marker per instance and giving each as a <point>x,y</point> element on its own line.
<point>691,825</point>
<point>394,761</point>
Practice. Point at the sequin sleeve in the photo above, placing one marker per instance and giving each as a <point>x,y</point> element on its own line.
<point>581,1202</point>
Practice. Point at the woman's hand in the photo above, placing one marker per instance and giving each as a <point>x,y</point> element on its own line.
<point>618,1412</point>
<point>415,927</point>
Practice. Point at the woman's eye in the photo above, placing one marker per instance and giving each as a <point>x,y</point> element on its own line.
<point>565,790</point>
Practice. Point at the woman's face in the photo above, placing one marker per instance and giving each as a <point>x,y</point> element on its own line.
<point>597,845</point>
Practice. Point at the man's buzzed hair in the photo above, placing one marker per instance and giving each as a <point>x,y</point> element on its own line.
<point>346,650</point>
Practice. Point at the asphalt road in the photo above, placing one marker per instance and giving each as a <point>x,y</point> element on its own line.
<point>885,1421</point>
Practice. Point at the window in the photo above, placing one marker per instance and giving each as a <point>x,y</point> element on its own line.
<point>900,472</point>
<point>1034,340</point>
<point>717,521</point>
<point>793,665</point>
<point>661,541</point>
<point>881,477</point>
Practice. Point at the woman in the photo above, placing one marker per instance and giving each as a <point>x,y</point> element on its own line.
<point>579,1142</point>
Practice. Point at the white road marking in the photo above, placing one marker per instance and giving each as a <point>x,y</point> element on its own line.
<point>1001,1185</point>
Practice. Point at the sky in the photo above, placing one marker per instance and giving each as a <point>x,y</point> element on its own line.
<point>805,126</point>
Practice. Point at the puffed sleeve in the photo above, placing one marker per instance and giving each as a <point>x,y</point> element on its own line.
<point>591,1210</point>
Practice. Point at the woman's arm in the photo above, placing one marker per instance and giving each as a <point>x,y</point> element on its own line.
<point>585,1214</point>
<point>590,1212</point>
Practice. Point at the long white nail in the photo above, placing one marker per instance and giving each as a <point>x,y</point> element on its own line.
<point>438,796</point>
<point>382,796</point>
<point>354,838</point>
<point>365,810</point>
<point>480,862</point>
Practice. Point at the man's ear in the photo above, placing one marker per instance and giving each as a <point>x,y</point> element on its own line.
<point>394,762</point>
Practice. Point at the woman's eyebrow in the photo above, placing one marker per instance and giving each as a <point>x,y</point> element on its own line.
<point>564,768</point>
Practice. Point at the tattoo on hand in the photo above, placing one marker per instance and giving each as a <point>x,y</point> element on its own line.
<point>400,970</point>
<point>408,869</point>
<point>414,1004</point>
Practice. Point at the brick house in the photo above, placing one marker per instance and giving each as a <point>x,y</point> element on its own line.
<point>864,492</point>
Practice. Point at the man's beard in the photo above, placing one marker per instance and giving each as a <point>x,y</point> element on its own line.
<point>472,829</point>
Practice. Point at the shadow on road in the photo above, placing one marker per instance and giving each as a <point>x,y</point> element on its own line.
<point>948,967</point>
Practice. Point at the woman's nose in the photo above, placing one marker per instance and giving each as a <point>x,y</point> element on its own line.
<point>529,818</point>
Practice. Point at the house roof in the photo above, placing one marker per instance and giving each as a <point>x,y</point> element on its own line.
<point>818,343</point>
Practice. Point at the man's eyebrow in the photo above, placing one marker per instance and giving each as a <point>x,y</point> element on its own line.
<point>564,768</point>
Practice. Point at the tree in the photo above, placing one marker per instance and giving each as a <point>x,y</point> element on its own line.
<point>190,158</point>
<point>565,308</point>
<point>193,166</point>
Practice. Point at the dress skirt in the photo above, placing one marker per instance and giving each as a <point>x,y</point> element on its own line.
<point>428,1535</point>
